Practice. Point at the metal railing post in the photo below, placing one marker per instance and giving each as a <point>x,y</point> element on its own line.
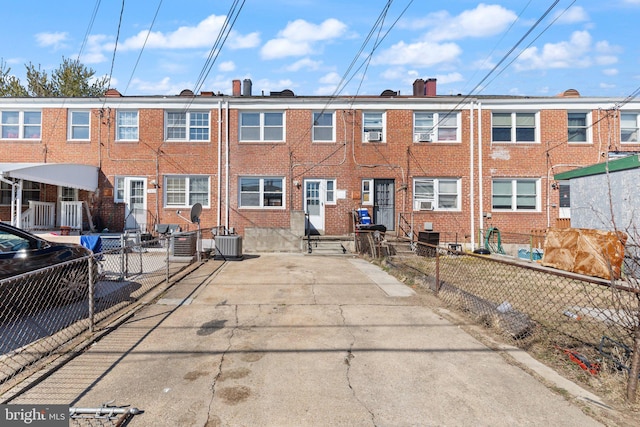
<point>437,272</point>
<point>92,285</point>
<point>168,243</point>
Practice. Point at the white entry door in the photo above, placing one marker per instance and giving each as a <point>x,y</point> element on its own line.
<point>314,206</point>
<point>135,200</point>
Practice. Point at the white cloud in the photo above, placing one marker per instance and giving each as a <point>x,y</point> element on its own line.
<point>609,85</point>
<point>201,35</point>
<point>573,53</point>
<point>227,66</point>
<point>418,54</point>
<point>572,15</point>
<point>606,59</point>
<point>299,37</point>
<point>163,87</point>
<point>93,53</point>
<point>56,40</point>
<point>483,21</point>
<point>330,78</point>
<point>306,63</point>
<point>449,78</point>
<point>237,41</point>
<point>610,72</point>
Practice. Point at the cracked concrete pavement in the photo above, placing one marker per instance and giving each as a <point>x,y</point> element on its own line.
<point>295,340</point>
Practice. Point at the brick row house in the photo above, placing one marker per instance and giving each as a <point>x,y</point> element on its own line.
<point>264,164</point>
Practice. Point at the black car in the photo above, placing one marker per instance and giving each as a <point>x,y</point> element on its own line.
<point>22,252</point>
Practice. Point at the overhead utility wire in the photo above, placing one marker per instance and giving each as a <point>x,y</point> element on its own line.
<point>143,46</point>
<point>115,47</point>
<point>218,44</point>
<point>89,27</point>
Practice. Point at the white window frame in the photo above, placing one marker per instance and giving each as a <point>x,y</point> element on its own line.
<point>381,127</point>
<point>367,192</point>
<point>437,124</point>
<point>514,196</point>
<point>188,126</point>
<point>316,126</point>
<point>514,127</point>
<point>73,126</point>
<point>118,189</point>
<point>261,192</point>
<point>330,191</point>
<point>21,125</point>
<point>438,193</point>
<point>635,130</point>
<point>122,124</point>
<point>586,127</point>
<point>188,193</point>
<point>262,126</point>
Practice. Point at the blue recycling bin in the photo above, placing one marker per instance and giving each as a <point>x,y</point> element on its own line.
<point>363,216</point>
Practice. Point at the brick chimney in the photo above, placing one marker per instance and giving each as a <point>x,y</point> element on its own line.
<point>418,87</point>
<point>237,88</point>
<point>430,89</point>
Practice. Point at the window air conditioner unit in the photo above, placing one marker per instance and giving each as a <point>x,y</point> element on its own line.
<point>424,137</point>
<point>372,136</point>
<point>425,205</point>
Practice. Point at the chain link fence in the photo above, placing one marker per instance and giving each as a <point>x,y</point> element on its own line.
<point>45,312</point>
<point>588,321</point>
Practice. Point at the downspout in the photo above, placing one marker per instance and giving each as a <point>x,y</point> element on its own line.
<point>226,169</point>
<point>219,187</point>
<point>480,177</point>
<point>472,213</point>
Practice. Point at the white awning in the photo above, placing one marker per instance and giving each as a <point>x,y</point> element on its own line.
<point>83,177</point>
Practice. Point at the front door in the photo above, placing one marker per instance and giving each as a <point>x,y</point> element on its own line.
<point>314,206</point>
<point>135,210</point>
<point>383,203</point>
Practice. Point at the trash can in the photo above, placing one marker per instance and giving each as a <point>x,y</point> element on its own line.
<point>431,238</point>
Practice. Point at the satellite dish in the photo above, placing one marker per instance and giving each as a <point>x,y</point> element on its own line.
<point>196,210</point>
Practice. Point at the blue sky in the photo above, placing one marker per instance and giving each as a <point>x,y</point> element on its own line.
<point>316,47</point>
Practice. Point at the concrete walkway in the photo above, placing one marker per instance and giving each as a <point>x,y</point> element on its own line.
<point>295,340</point>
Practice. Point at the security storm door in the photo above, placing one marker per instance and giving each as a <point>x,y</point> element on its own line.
<point>314,206</point>
<point>135,210</point>
<point>383,203</point>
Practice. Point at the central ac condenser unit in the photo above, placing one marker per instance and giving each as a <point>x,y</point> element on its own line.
<point>228,247</point>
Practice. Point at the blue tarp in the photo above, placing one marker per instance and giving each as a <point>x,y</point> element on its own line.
<point>93,243</point>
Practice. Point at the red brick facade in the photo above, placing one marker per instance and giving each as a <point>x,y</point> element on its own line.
<point>345,158</point>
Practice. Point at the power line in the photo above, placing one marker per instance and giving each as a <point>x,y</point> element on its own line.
<point>115,47</point>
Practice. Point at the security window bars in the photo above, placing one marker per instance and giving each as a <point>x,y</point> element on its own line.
<point>629,128</point>
<point>516,194</point>
<point>513,127</point>
<point>577,127</point>
<point>436,194</point>
<point>20,124</point>
<point>187,126</point>
<point>127,126</point>
<point>261,192</point>
<point>323,127</point>
<point>432,126</point>
<point>184,191</point>
<point>79,125</point>
<point>267,126</point>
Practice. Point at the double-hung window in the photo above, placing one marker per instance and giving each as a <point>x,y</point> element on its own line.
<point>433,126</point>
<point>184,191</point>
<point>127,126</point>
<point>436,194</point>
<point>373,126</point>
<point>516,194</point>
<point>323,130</point>
<point>261,192</point>
<point>629,128</point>
<point>20,124</point>
<point>577,127</point>
<point>267,126</point>
<point>187,126</point>
<point>79,125</point>
<point>513,127</point>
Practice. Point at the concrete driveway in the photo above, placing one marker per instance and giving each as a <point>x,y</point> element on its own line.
<point>295,340</point>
